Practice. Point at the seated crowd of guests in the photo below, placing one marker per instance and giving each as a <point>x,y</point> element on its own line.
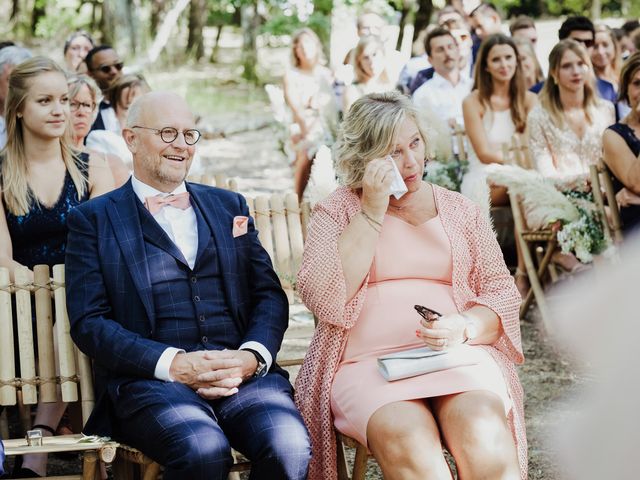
<point>89,130</point>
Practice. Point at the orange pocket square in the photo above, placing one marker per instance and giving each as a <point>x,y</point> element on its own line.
<point>240,226</point>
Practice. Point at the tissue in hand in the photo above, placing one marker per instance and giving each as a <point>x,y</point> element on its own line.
<point>398,188</point>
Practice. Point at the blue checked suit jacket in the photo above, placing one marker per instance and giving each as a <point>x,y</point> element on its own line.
<point>109,298</point>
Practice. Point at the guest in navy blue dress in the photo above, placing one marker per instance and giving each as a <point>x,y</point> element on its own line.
<point>43,178</point>
<point>621,143</point>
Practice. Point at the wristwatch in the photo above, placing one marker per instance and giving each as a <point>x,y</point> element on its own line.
<point>261,369</point>
<point>470,331</point>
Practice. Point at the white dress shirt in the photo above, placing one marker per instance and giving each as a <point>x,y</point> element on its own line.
<point>182,228</point>
<point>110,120</point>
<point>443,98</point>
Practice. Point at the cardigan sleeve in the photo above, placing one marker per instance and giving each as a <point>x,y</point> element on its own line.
<point>495,287</point>
<point>320,281</point>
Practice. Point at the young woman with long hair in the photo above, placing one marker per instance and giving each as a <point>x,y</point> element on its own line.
<point>42,178</point>
<point>370,71</point>
<point>493,112</point>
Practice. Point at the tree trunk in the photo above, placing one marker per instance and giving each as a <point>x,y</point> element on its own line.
<point>132,6</point>
<point>249,22</point>
<point>107,23</point>
<point>404,14</point>
<point>157,8</point>
<point>15,9</point>
<point>216,46</point>
<point>164,32</point>
<point>197,17</point>
<point>596,10</point>
<point>36,14</point>
<point>423,15</point>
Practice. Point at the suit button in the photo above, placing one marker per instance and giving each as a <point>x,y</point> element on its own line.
<point>201,318</point>
<point>205,339</point>
<point>196,298</point>
<point>194,279</point>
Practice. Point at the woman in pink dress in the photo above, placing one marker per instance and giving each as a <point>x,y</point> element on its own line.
<point>369,258</point>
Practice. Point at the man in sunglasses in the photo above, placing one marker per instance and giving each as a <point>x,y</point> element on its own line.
<point>105,67</point>
<point>175,300</point>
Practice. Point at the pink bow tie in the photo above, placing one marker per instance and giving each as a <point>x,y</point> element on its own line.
<point>179,200</point>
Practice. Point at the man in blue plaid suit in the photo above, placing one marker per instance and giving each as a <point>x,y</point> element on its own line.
<point>175,300</point>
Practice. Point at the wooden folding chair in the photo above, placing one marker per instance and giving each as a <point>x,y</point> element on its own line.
<point>543,242</point>
<point>609,214</point>
<point>66,369</point>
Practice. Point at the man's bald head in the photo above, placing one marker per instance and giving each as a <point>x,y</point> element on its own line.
<point>158,124</point>
<point>152,103</point>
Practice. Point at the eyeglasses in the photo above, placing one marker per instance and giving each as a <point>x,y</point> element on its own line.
<point>78,105</point>
<point>587,42</point>
<point>107,68</point>
<point>169,134</point>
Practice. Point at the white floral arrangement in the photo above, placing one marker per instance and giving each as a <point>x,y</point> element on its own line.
<point>572,213</point>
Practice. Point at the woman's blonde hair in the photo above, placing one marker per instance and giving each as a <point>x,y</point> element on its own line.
<point>360,74</point>
<point>483,81</point>
<point>116,90</point>
<point>76,82</point>
<point>17,196</point>
<point>369,131</point>
<point>616,64</point>
<point>526,44</point>
<point>295,39</point>
<point>550,93</point>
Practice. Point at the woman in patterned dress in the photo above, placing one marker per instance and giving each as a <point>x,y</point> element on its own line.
<point>368,259</point>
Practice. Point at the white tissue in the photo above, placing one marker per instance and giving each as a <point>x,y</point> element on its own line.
<point>398,187</point>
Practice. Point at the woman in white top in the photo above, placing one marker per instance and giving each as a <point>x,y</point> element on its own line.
<point>308,93</point>
<point>493,112</point>
<point>565,129</point>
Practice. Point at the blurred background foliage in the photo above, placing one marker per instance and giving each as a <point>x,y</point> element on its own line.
<point>178,29</point>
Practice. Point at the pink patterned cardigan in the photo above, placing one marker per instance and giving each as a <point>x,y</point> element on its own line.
<point>479,277</point>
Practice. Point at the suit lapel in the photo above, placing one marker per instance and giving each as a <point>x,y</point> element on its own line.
<point>124,217</point>
<point>220,224</point>
<point>154,234</point>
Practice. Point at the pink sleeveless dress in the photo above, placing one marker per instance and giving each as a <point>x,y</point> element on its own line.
<point>412,265</point>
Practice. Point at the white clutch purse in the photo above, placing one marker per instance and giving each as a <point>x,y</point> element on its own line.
<point>418,361</point>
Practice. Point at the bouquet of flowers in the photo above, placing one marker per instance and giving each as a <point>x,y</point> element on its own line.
<point>572,213</point>
<point>584,236</point>
<point>447,173</point>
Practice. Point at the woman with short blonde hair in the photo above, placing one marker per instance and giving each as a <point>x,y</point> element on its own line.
<point>369,258</point>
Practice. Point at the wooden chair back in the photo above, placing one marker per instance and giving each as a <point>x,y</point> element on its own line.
<point>44,369</point>
<point>459,143</point>
<point>542,242</point>
<point>517,152</point>
<point>219,180</point>
<point>601,181</point>
<point>282,229</point>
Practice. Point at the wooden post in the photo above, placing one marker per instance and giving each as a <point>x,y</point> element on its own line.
<point>294,222</point>
<point>65,345</point>
<point>305,217</point>
<point>7,359</point>
<point>283,263</point>
<point>44,327</point>
<point>263,222</point>
<point>221,180</point>
<point>87,398</point>
<point>25,335</point>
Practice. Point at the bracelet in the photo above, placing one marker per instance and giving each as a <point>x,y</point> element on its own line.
<point>371,219</point>
<point>372,223</point>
